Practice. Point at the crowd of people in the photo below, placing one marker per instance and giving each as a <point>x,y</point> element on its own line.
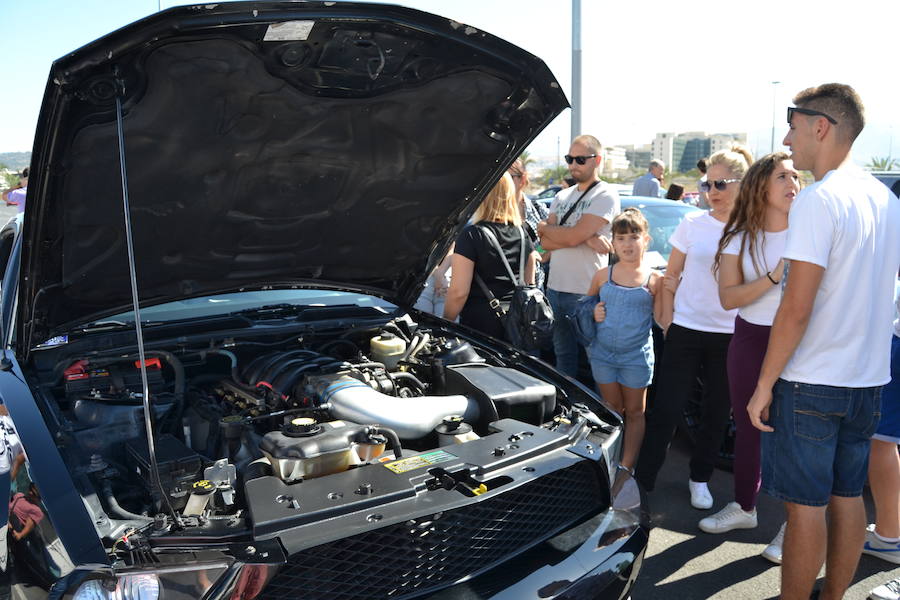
<point>781,301</point>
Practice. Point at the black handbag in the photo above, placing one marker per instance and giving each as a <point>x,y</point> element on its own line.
<point>528,318</point>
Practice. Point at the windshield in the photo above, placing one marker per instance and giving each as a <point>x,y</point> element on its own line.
<point>663,219</point>
<point>220,304</point>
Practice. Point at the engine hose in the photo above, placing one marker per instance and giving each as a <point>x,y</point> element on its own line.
<point>370,365</point>
<point>392,327</point>
<point>175,414</point>
<point>116,509</point>
<point>419,346</point>
<point>411,418</point>
<point>404,376</point>
<point>392,437</point>
<point>411,346</point>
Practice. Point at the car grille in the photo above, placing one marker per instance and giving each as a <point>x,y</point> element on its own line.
<point>420,555</point>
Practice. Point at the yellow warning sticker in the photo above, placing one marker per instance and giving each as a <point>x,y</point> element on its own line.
<point>421,460</point>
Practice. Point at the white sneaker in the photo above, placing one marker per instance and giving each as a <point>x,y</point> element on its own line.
<point>886,591</point>
<point>730,517</point>
<point>773,550</point>
<point>700,496</point>
<point>889,551</point>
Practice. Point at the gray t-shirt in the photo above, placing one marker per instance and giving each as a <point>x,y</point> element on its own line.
<point>571,269</point>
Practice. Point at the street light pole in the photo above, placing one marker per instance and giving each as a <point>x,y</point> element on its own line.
<point>576,68</point>
<point>774,88</point>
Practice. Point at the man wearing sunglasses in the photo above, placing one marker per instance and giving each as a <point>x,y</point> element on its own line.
<point>829,348</point>
<point>578,232</point>
<point>650,183</point>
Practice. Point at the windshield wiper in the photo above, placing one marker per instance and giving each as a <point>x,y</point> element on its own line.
<point>269,309</point>
<point>112,325</point>
<point>310,312</point>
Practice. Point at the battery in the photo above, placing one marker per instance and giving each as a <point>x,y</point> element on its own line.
<point>179,467</point>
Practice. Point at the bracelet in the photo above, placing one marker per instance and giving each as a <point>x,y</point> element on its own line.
<point>620,467</point>
<point>769,275</point>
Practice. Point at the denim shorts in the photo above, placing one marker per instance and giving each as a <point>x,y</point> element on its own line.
<point>632,369</point>
<point>889,427</point>
<point>820,446</point>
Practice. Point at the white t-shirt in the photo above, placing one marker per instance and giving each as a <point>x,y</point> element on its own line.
<point>769,248</point>
<point>571,269</point>
<point>897,310</point>
<point>697,304</point>
<point>848,223</point>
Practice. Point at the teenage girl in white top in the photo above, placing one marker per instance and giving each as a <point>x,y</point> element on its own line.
<point>750,268</point>
<point>698,331</point>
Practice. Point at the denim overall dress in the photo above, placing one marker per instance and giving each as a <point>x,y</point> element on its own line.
<point>622,350</point>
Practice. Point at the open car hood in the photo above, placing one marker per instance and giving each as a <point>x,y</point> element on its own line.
<point>325,144</point>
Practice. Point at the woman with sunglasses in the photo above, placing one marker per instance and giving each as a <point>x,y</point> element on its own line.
<point>750,268</point>
<point>697,331</point>
<point>475,257</point>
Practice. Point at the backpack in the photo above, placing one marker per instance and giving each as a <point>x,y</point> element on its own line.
<point>528,318</point>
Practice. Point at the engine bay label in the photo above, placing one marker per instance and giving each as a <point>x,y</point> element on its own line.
<point>288,31</point>
<point>417,462</point>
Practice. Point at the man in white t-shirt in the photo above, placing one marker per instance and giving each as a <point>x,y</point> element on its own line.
<point>578,233</point>
<point>828,353</point>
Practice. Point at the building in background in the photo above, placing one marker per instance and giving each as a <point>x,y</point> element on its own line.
<point>681,151</point>
<point>615,160</point>
<point>639,156</point>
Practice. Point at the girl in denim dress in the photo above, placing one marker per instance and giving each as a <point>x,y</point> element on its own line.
<point>621,354</point>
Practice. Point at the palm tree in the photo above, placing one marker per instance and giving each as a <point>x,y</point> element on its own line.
<point>526,159</point>
<point>882,163</point>
<point>553,175</point>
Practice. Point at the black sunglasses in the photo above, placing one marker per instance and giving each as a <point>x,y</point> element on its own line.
<point>579,159</point>
<point>720,184</point>
<point>808,111</point>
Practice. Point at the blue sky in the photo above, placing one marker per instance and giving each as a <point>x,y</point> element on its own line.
<point>648,66</point>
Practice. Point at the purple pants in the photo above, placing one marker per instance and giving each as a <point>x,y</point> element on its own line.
<point>745,357</point>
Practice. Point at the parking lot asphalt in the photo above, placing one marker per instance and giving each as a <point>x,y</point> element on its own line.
<point>685,563</point>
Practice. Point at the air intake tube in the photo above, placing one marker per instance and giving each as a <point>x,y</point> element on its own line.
<point>411,418</point>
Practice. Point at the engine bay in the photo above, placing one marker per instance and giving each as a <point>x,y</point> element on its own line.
<point>253,436</point>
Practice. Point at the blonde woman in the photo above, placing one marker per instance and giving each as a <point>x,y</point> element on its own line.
<point>698,331</point>
<point>476,255</point>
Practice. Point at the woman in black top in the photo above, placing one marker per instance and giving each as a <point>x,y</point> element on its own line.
<point>474,253</point>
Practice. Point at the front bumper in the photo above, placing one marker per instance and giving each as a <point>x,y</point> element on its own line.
<point>600,558</point>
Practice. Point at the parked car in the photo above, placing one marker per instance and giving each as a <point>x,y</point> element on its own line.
<point>890,179</point>
<point>213,383</point>
<point>547,194</point>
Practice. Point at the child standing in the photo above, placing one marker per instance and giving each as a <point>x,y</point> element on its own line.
<point>621,354</point>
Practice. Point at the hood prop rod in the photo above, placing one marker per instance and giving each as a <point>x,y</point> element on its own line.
<point>145,396</point>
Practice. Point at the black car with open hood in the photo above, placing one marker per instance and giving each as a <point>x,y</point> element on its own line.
<point>214,383</point>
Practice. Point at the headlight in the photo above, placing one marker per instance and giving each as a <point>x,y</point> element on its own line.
<point>180,582</point>
<point>128,587</point>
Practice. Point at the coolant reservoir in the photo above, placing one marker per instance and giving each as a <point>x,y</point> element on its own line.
<point>387,348</point>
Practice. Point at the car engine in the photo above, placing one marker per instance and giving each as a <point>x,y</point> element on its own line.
<point>241,415</point>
